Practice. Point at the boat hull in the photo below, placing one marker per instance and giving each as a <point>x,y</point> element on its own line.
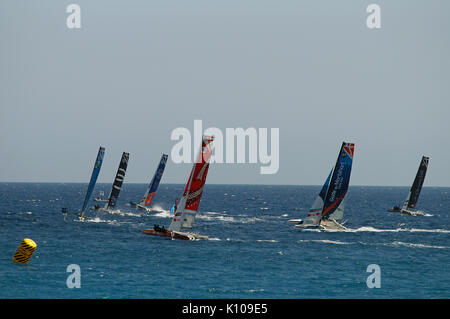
<point>324,225</point>
<point>411,213</point>
<point>167,234</point>
<point>406,212</point>
<point>140,207</point>
<point>174,234</point>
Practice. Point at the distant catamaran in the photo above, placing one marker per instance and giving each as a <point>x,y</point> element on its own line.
<point>190,200</point>
<point>94,176</point>
<point>153,186</point>
<point>413,195</point>
<point>117,185</point>
<point>328,208</point>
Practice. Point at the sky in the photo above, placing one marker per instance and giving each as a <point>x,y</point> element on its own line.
<point>137,70</point>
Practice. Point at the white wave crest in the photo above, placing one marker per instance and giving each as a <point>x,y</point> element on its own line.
<point>99,220</point>
<point>372,229</point>
<point>161,212</point>
<point>399,243</point>
<point>120,213</point>
<point>325,241</point>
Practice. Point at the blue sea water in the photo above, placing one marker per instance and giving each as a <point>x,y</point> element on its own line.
<point>253,252</point>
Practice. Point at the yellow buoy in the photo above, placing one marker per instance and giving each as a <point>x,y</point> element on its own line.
<point>26,249</point>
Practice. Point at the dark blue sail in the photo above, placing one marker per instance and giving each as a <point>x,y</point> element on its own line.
<point>94,176</point>
<point>340,180</point>
<point>323,191</point>
<point>117,185</point>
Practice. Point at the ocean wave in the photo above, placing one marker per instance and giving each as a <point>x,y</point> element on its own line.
<point>24,213</point>
<point>372,229</point>
<point>161,212</point>
<point>211,216</point>
<point>98,220</point>
<point>120,213</point>
<point>325,241</point>
<point>399,243</point>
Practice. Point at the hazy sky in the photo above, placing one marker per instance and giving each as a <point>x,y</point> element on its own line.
<point>136,70</point>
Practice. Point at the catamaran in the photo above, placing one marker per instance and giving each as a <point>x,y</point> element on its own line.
<point>185,211</point>
<point>152,187</point>
<point>413,195</point>
<point>328,208</point>
<point>117,185</point>
<point>94,176</point>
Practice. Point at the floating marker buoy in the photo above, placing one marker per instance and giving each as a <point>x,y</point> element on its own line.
<point>26,249</point>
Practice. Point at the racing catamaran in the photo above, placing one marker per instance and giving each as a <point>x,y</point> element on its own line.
<point>185,211</point>
<point>94,176</point>
<point>413,195</point>
<point>152,187</point>
<point>328,208</point>
<point>117,185</point>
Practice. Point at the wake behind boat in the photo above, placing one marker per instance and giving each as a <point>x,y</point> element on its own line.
<point>190,200</point>
<point>328,208</point>
<point>413,195</point>
<point>152,187</point>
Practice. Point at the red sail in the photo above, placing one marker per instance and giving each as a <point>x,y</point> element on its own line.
<point>197,179</point>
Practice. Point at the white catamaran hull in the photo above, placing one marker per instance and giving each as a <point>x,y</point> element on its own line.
<point>142,207</point>
<point>174,234</point>
<point>412,213</point>
<point>324,225</point>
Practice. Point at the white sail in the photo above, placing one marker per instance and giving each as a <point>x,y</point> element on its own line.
<point>338,214</point>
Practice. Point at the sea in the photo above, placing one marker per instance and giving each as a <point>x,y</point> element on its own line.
<point>252,251</point>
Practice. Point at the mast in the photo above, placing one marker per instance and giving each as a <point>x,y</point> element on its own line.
<point>339,182</point>
<point>414,192</point>
<point>117,185</point>
<point>190,200</point>
<point>153,186</point>
<point>94,176</point>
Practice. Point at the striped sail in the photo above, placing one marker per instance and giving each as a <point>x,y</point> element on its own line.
<point>117,185</point>
<point>94,176</point>
<point>414,192</point>
<point>334,200</point>
<point>190,200</point>
<point>153,186</point>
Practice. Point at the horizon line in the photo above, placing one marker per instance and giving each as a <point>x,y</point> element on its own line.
<point>238,184</point>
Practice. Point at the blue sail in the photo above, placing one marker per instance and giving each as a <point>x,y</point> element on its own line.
<point>339,181</point>
<point>94,176</point>
<point>151,191</point>
<point>323,191</point>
